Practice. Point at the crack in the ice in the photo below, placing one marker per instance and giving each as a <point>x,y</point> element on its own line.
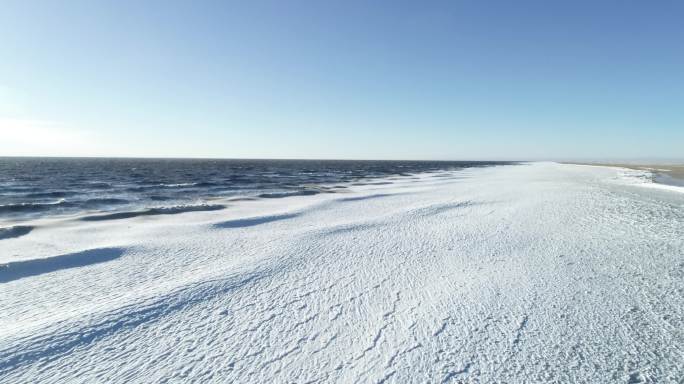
<point>519,331</point>
<point>254,354</point>
<point>286,353</point>
<point>307,294</point>
<point>339,312</point>
<point>394,307</point>
<point>327,344</point>
<point>387,377</point>
<point>451,374</point>
<point>287,304</point>
<point>307,320</point>
<point>383,281</point>
<point>374,343</point>
<point>443,327</point>
<point>262,322</point>
<point>390,362</point>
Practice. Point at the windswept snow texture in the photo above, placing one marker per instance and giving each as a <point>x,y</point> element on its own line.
<point>517,274</point>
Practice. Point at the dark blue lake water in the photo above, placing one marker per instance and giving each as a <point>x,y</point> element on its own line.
<point>41,187</point>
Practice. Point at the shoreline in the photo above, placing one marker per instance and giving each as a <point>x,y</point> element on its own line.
<point>663,174</point>
<point>136,186</point>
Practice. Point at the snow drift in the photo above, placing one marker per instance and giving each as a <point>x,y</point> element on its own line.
<point>531,273</point>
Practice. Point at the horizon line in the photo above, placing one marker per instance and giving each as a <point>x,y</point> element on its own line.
<point>243,158</point>
<point>652,160</point>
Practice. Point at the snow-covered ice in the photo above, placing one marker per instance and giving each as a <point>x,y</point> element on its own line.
<point>539,272</point>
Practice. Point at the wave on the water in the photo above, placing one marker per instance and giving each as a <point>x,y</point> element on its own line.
<point>176,185</point>
<point>104,201</point>
<point>373,183</point>
<point>50,194</point>
<point>33,207</point>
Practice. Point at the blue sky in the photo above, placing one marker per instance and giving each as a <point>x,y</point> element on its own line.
<point>343,79</point>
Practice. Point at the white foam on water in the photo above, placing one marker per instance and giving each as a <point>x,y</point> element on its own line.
<point>533,273</point>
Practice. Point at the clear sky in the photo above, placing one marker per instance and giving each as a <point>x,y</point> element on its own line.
<point>343,79</point>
